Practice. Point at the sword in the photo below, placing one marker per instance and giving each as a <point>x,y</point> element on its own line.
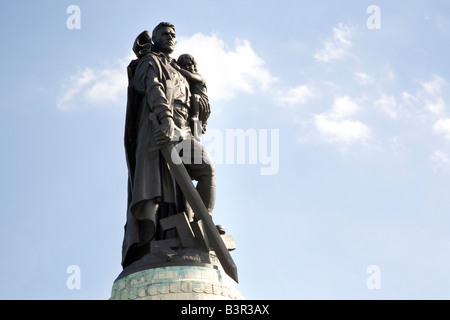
<point>183,179</point>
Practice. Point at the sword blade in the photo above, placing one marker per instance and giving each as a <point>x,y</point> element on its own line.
<point>201,213</point>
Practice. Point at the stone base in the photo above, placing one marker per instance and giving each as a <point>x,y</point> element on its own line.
<point>176,283</point>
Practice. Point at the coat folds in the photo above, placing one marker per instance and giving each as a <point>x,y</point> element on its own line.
<point>150,88</point>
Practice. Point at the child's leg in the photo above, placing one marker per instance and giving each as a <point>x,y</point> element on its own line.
<point>195,106</point>
<point>193,119</point>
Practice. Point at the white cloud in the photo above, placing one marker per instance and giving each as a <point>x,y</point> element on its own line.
<point>295,96</point>
<point>346,131</point>
<point>431,94</point>
<point>408,98</point>
<point>427,102</point>
<point>227,71</point>
<point>443,126</point>
<point>441,161</point>
<point>364,79</point>
<point>435,106</point>
<point>73,89</point>
<point>388,105</point>
<point>434,86</point>
<point>337,47</point>
<point>389,73</point>
<point>343,107</point>
<point>97,87</point>
<point>336,125</point>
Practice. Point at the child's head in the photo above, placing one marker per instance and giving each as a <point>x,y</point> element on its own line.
<point>187,62</point>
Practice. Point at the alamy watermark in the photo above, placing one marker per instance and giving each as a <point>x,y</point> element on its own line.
<point>237,146</point>
<point>74,280</point>
<point>374,280</point>
<point>74,20</point>
<point>374,20</point>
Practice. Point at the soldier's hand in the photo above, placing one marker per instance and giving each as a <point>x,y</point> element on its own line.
<point>174,64</point>
<point>205,109</point>
<point>165,132</point>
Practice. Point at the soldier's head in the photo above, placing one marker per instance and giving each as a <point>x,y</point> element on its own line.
<point>164,37</point>
<point>187,62</point>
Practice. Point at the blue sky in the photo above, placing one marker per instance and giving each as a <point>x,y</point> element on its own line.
<point>360,152</point>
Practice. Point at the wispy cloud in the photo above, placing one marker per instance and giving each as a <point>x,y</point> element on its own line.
<point>408,98</point>
<point>364,79</point>
<point>388,73</point>
<point>296,96</point>
<point>338,124</point>
<point>388,105</point>
<point>441,161</point>
<point>95,87</point>
<point>432,94</point>
<point>428,100</point>
<point>338,45</point>
<point>227,72</point>
<point>442,126</point>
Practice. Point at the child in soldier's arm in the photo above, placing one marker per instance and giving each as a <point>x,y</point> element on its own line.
<point>200,107</point>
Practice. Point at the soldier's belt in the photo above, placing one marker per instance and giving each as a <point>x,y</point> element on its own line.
<point>181,107</point>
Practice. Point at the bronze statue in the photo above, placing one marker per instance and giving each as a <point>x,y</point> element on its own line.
<point>159,105</point>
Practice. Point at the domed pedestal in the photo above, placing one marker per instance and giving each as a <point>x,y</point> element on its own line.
<point>181,268</point>
<point>176,283</point>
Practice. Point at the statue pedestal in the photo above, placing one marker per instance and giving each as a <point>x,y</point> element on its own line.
<point>181,268</point>
<point>176,283</point>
